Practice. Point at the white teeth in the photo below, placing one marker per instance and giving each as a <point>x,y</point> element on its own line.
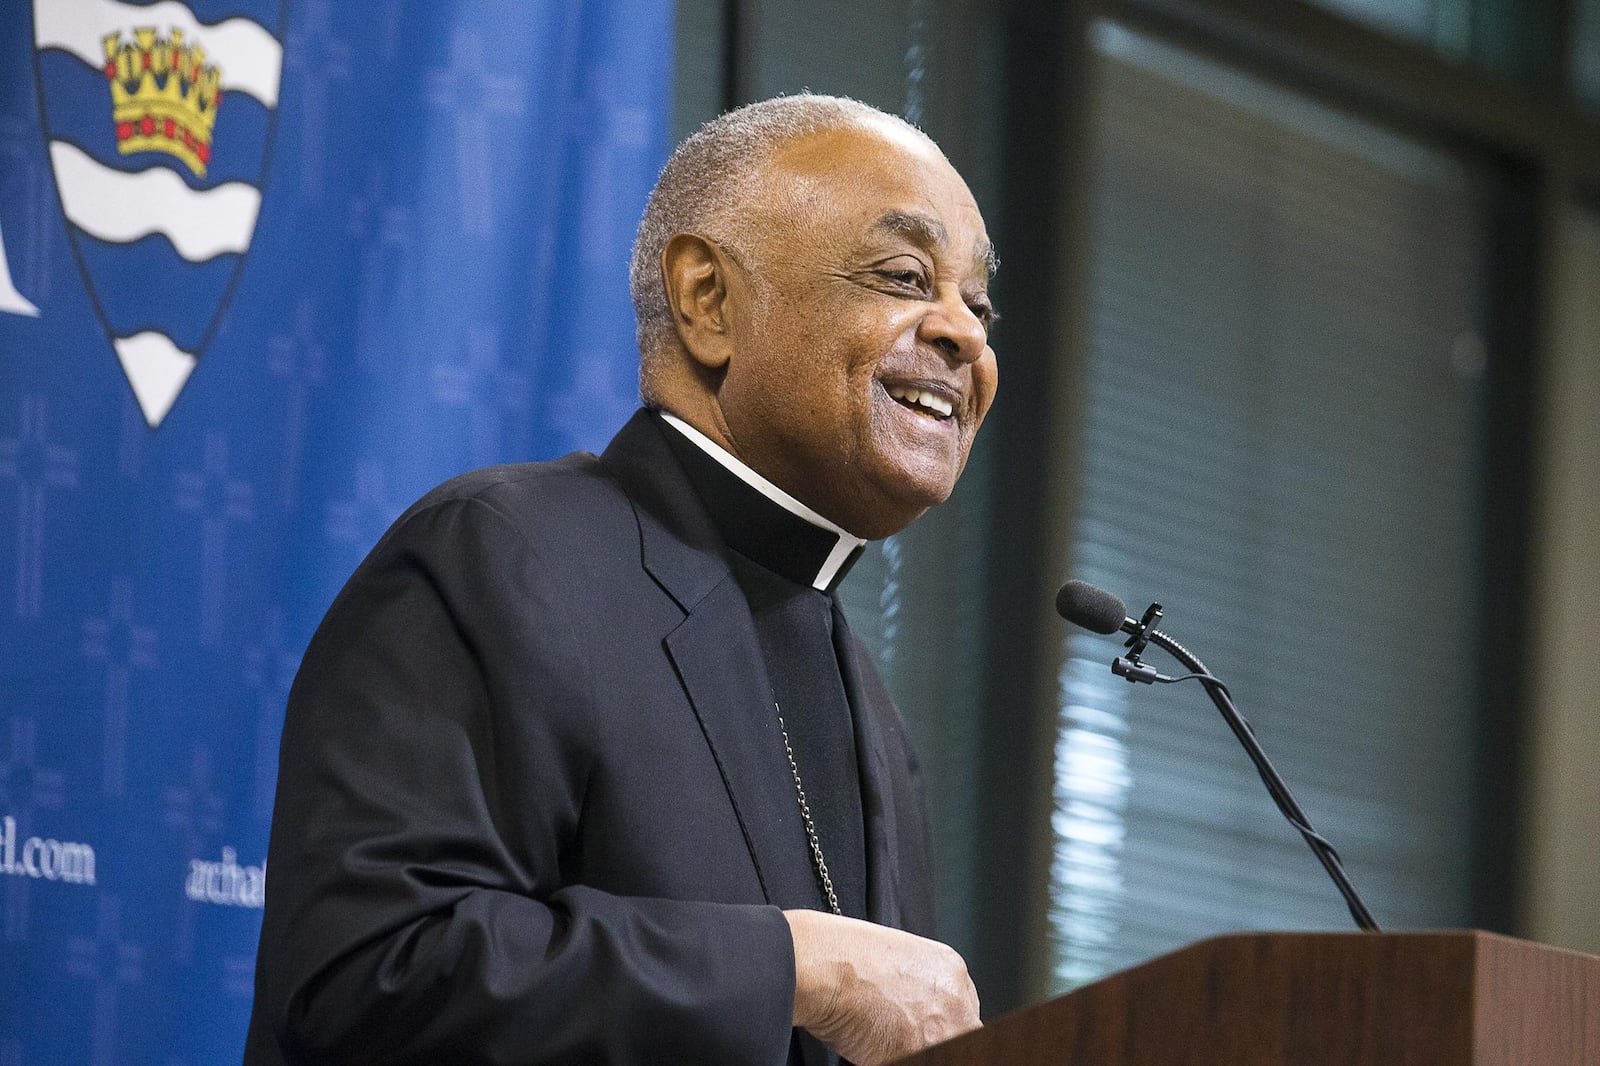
<point>931,401</point>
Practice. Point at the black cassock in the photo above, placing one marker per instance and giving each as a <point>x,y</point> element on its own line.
<point>533,805</point>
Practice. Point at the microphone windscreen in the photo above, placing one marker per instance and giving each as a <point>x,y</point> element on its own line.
<point>1092,608</point>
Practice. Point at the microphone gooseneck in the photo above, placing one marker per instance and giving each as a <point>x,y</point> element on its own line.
<point>1090,607</point>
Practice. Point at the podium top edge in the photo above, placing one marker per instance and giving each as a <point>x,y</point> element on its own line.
<point>1478,937</point>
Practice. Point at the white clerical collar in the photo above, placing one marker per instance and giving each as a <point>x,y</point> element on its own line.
<point>844,547</point>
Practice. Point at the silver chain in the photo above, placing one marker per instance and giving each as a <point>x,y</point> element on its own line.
<point>805,817</point>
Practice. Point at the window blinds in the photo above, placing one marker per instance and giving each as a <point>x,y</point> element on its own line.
<point>1281,441</point>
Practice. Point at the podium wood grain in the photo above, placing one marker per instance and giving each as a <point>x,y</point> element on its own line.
<point>1315,999</point>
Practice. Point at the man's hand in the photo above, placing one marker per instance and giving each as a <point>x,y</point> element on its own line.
<point>875,994</point>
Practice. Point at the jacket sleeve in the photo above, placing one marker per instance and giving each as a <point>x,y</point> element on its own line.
<point>416,909</point>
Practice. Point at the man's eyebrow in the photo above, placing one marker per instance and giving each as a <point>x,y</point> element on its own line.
<point>923,229</point>
<point>931,233</point>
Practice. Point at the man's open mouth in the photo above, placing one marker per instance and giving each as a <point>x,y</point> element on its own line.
<point>923,401</point>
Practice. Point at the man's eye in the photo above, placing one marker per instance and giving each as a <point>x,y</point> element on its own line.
<point>911,279</point>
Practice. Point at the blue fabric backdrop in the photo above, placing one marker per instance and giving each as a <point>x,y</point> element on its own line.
<point>379,243</point>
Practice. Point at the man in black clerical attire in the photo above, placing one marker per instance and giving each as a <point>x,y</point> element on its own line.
<point>584,764</point>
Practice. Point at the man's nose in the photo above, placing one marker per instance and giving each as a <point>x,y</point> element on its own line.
<point>954,329</point>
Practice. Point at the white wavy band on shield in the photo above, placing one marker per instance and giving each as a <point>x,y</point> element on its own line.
<point>249,58</point>
<point>116,206</point>
<point>156,368</point>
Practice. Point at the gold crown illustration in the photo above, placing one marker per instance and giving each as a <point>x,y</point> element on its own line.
<point>164,96</point>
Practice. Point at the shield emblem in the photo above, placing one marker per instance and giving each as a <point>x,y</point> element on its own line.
<point>158,121</point>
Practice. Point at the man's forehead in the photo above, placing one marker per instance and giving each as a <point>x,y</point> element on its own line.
<point>865,161</point>
<point>891,177</point>
<point>858,140</point>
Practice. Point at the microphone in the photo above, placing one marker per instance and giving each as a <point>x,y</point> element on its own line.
<point>1092,608</point>
<point>1099,611</point>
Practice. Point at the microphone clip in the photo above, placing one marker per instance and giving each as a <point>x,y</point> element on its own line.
<point>1140,638</point>
<point>1129,666</point>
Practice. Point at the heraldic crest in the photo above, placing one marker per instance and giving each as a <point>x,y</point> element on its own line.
<point>159,180</point>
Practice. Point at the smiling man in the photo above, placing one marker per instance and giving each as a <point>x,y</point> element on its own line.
<point>583,764</point>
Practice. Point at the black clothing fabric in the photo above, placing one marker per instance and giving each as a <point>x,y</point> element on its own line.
<point>794,626</point>
<point>776,560</point>
<point>532,806</point>
<point>754,526</point>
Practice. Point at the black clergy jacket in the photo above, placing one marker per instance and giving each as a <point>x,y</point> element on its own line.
<point>533,805</point>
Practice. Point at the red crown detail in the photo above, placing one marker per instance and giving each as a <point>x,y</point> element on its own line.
<point>164,96</point>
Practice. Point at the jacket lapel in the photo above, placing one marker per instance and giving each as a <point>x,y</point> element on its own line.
<point>717,656</point>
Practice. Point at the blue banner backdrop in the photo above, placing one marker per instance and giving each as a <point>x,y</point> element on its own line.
<point>268,271</point>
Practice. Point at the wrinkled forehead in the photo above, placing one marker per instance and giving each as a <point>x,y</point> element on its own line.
<point>883,174</point>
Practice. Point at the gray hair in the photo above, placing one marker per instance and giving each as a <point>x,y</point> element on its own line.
<point>702,188</point>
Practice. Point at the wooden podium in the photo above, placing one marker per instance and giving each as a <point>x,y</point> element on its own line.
<point>1314,999</point>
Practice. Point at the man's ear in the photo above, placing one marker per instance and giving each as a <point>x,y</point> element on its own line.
<point>697,273</point>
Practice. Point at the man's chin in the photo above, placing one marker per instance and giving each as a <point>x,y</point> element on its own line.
<point>899,503</point>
